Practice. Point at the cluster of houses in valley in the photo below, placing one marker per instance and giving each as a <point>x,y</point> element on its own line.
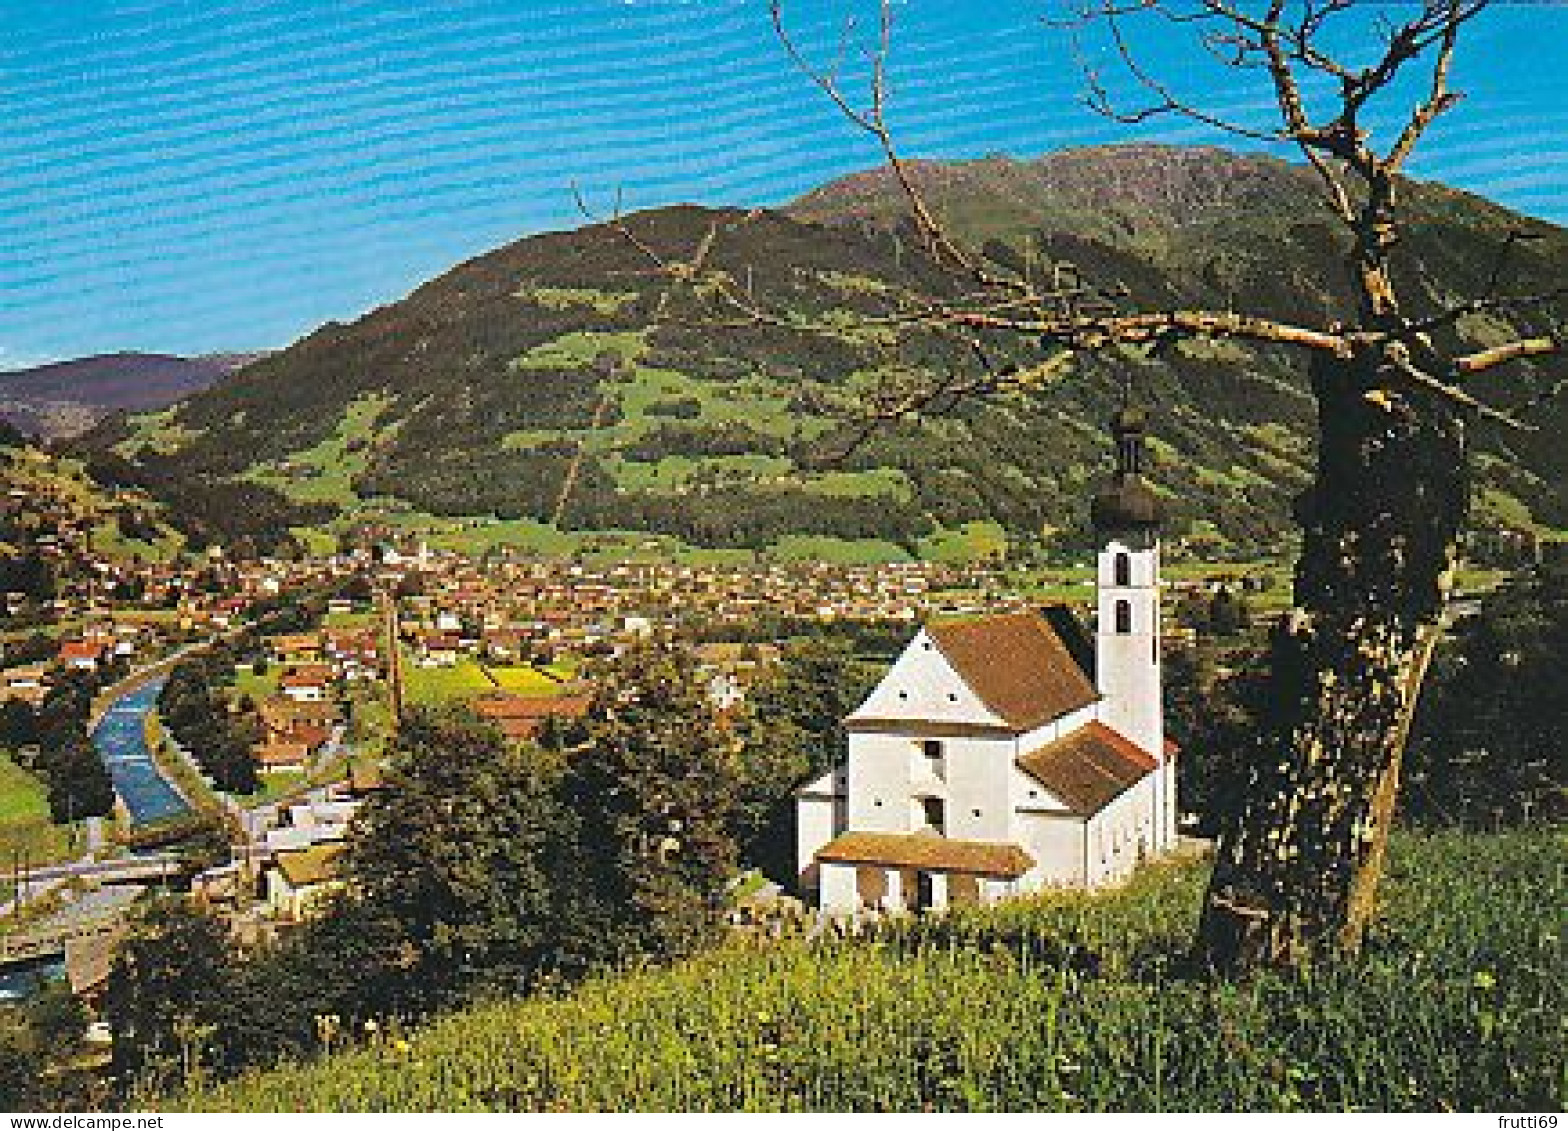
<point>958,785</point>
<point>514,610</point>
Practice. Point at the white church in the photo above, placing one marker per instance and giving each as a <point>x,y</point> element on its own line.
<point>1005,754</point>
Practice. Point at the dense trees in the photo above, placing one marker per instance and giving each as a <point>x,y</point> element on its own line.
<point>454,856</point>
<point>1488,736</point>
<point>1204,718</point>
<point>40,1038</point>
<point>649,787</point>
<point>29,573</point>
<point>170,998</point>
<point>790,731</point>
<point>198,714</point>
<point>78,784</point>
<point>1489,742</point>
<point>247,518</point>
<point>485,867</point>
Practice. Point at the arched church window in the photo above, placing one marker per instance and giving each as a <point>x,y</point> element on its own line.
<point>1123,569</point>
<point>1123,617</point>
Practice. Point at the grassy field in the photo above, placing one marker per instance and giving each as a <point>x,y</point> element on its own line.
<point>974,541</point>
<point>463,680</point>
<point>565,669</point>
<point>275,784</point>
<point>1066,1002</point>
<point>325,473</point>
<point>351,620</point>
<point>468,678</point>
<point>836,551</point>
<point>522,679</point>
<point>372,719</point>
<point>25,826</point>
<point>258,687</point>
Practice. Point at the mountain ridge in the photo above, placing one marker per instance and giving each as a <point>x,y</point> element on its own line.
<point>552,382</point>
<point>62,399</point>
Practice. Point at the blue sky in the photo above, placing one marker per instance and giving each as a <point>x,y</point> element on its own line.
<point>196,175</point>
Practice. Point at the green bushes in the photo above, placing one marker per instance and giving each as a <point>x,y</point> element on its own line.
<point>485,868</point>
<point>1487,745</point>
<point>1061,1003</point>
<point>196,711</point>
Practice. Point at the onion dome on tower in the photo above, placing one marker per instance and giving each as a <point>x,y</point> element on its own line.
<point>1127,502</point>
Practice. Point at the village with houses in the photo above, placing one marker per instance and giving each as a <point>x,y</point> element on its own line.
<point>1007,731</point>
<point>1031,754</point>
<point>873,556</point>
<point>1014,742</point>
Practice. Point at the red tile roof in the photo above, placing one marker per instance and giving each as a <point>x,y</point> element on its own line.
<point>928,853</point>
<point>308,675</point>
<point>1018,665</point>
<point>282,753</point>
<point>1089,768</point>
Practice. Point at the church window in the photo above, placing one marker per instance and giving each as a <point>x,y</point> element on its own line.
<point>1123,569</point>
<point>932,810</point>
<point>931,751</point>
<point>1123,617</point>
<point>952,697</point>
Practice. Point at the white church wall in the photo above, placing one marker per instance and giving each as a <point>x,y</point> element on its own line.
<point>1029,796</point>
<point>1143,563</point>
<point>837,894</point>
<point>819,818</point>
<point>979,799</point>
<point>1056,842</point>
<point>879,775</point>
<point>1127,664</point>
<point>1047,733</point>
<point>922,686</point>
<point>1122,834</point>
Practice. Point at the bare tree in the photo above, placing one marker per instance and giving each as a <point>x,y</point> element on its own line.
<point>1381,523</point>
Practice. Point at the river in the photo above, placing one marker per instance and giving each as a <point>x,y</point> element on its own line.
<point>19,982</point>
<point>121,740</point>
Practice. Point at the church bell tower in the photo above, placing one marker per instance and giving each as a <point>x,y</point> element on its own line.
<point>1127,516</point>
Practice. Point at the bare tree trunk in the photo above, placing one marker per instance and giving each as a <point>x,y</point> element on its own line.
<point>1297,869</point>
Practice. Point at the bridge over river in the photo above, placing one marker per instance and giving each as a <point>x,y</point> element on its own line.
<point>35,954</point>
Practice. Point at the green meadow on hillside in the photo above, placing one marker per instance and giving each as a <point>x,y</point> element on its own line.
<point>1066,1002</point>
<point>28,836</point>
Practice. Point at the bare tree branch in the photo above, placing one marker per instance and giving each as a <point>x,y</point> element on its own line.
<point>1068,315</point>
<point>1486,359</point>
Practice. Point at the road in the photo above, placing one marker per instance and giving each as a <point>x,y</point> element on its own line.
<point>41,881</point>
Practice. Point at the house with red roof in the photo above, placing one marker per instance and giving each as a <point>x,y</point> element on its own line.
<point>84,655</point>
<point>307,683</point>
<point>522,717</point>
<point>1004,754</point>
